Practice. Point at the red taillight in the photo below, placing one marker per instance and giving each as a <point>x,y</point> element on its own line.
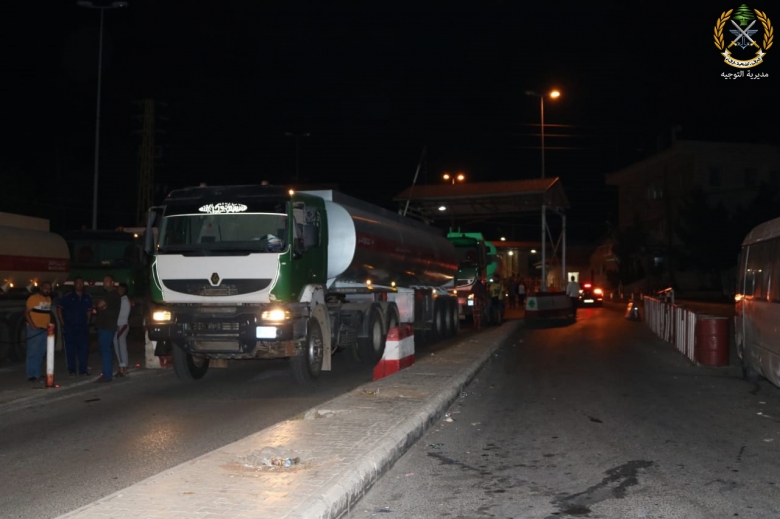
<point>586,285</point>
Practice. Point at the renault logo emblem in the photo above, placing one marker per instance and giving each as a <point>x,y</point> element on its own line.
<point>215,279</point>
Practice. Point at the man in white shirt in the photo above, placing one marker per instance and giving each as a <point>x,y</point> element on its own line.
<point>573,291</point>
<point>122,328</point>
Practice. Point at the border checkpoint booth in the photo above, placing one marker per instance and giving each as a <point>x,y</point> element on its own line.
<point>485,201</point>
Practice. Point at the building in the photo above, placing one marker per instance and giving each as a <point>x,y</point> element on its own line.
<point>651,192</point>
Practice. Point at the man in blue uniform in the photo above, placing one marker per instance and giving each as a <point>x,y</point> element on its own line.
<point>75,310</point>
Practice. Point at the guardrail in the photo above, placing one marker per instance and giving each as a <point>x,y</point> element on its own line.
<point>672,323</point>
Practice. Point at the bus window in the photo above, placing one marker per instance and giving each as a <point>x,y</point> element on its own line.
<point>741,273</point>
<point>754,286</point>
<point>774,278</point>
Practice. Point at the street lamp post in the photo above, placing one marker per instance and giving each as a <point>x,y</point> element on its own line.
<point>297,137</point>
<point>102,8</point>
<point>554,94</point>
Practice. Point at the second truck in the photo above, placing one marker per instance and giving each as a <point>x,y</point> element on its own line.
<point>263,272</point>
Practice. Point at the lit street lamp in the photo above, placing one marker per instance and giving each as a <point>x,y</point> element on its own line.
<point>297,137</point>
<point>460,177</point>
<point>554,95</point>
<point>91,5</point>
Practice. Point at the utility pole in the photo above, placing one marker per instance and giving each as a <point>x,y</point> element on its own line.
<point>148,153</point>
<point>90,5</point>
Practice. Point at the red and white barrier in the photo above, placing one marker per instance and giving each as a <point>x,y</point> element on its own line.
<point>50,356</point>
<point>547,305</point>
<point>399,351</point>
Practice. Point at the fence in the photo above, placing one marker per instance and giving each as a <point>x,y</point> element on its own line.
<point>673,324</point>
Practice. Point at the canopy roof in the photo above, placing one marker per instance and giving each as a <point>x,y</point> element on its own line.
<point>482,199</point>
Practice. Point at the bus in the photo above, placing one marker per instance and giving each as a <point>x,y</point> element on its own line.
<point>757,303</point>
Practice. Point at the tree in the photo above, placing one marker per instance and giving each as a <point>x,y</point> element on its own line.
<point>744,15</point>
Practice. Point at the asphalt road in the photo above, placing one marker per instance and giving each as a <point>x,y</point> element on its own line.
<point>597,419</point>
<point>60,455</point>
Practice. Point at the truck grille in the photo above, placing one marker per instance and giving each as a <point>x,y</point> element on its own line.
<point>228,287</point>
<point>214,327</point>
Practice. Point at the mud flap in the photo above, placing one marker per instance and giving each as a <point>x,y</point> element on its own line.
<point>320,313</point>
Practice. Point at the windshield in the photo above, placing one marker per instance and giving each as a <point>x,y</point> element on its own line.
<point>102,253</point>
<point>467,256</point>
<point>236,232</point>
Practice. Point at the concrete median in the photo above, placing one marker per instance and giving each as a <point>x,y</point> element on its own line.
<point>341,448</point>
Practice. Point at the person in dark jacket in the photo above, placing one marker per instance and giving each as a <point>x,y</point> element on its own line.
<point>105,321</point>
<point>75,310</point>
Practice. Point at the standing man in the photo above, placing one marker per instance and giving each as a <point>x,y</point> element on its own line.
<point>573,291</point>
<point>521,292</point>
<point>105,322</point>
<point>480,297</point>
<point>37,314</point>
<point>75,310</point>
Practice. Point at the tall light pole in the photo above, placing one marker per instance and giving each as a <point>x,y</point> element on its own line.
<point>297,137</point>
<point>554,94</point>
<point>102,8</point>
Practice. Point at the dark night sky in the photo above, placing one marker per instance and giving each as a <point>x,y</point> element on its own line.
<point>373,82</point>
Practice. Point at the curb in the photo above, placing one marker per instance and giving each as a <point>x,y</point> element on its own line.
<point>342,496</point>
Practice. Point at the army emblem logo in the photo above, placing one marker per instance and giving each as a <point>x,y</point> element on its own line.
<point>743,30</point>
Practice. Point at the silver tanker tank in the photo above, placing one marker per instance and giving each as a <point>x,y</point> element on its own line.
<point>30,253</point>
<point>366,242</point>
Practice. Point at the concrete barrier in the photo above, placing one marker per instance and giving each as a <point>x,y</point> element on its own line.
<point>399,351</point>
<point>547,305</point>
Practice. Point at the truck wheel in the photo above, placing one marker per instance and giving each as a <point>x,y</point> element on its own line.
<point>455,311</point>
<point>307,365</point>
<point>373,347</point>
<point>187,367</point>
<point>392,317</point>
<point>439,329</point>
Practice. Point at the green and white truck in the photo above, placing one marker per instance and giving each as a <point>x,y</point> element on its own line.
<point>264,272</point>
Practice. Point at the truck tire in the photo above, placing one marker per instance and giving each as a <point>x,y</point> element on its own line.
<point>187,367</point>
<point>455,311</point>
<point>372,347</point>
<point>392,317</point>
<point>438,330</point>
<point>307,366</point>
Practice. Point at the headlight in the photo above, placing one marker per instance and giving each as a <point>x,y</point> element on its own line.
<point>161,315</point>
<point>598,291</point>
<point>275,315</point>
<point>471,296</point>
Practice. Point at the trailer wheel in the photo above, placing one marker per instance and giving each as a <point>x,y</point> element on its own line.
<point>307,365</point>
<point>187,367</point>
<point>373,347</point>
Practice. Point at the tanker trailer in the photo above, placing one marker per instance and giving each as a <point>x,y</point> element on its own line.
<point>264,272</point>
<point>30,254</point>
